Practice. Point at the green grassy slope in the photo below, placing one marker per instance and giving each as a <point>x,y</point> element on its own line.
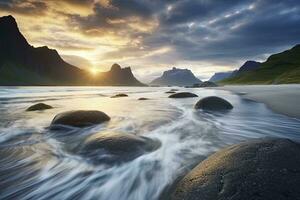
<point>279,68</point>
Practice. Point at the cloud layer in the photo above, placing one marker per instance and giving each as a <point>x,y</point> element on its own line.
<point>151,36</point>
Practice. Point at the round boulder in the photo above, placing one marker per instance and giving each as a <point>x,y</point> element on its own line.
<point>213,103</point>
<point>107,147</point>
<point>80,118</point>
<point>183,95</point>
<point>39,106</point>
<point>119,95</point>
<point>259,169</point>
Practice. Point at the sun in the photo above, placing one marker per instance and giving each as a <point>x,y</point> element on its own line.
<point>94,71</point>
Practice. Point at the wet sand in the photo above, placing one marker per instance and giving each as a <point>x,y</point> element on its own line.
<point>284,99</point>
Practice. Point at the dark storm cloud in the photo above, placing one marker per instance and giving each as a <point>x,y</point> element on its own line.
<point>189,10</point>
<point>205,29</point>
<point>220,31</point>
<point>113,16</point>
<point>266,28</point>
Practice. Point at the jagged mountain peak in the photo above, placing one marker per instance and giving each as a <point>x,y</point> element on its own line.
<point>9,20</point>
<point>115,67</point>
<point>10,33</point>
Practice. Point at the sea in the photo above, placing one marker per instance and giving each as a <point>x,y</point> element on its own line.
<point>37,162</point>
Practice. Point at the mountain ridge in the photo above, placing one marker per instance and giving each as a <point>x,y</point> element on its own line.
<point>248,66</point>
<point>279,68</point>
<point>44,66</point>
<point>218,76</point>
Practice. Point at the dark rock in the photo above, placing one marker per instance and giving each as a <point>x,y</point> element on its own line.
<point>241,93</point>
<point>143,99</point>
<point>208,84</point>
<point>80,118</point>
<point>258,169</point>
<point>170,92</point>
<point>107,147</point>
<point>196,85</point>
<point>39,106</point>
<point>119,95</point>
<point>183,95</point>
<point>213,103</point>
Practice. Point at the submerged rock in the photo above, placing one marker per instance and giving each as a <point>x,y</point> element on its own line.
<point>208,84</point>
<point>80,118</point>
<point>213,103</point>
<point>170,92</point>
<point>39,106</point>
<point>107,147</point>
<point>119,95</point>
<point>143,99</point>
<point>183,95</point>
<point>241,93</point>
<point>258,169</point>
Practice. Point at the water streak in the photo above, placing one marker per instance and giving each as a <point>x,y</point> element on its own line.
<point>38,163</point>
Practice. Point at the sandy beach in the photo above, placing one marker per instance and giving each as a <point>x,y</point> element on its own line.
<point>284,99</point>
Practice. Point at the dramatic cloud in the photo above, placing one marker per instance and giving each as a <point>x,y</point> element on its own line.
<point>151,36</point>
<point>28,7</point>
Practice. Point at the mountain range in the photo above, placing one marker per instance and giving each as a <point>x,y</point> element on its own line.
<point>281,68</point>
<point>218,76</point>
<point>23,64</point>
<point>176,77</point>
<point>246,67</point>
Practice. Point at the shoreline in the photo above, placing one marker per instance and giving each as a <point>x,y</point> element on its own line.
<point>283,99</point>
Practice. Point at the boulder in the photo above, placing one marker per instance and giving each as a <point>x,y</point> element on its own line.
<point>108,147</point>
<point>183,95</point>
<point>80,118</point>
<point>119,95</point>
<point>39,106</point>
<point>143,99</point>
<point>213,103</point>
<point>258,169</point>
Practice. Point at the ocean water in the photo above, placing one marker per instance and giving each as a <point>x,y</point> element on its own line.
<point>39,163</point>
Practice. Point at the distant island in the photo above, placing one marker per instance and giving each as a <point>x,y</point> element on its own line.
<point>22,64</point>
<point>176,77</point>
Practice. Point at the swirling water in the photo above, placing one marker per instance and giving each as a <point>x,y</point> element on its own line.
<point>39,163</point>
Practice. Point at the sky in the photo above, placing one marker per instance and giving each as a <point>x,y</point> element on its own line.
<point>151,36</point>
